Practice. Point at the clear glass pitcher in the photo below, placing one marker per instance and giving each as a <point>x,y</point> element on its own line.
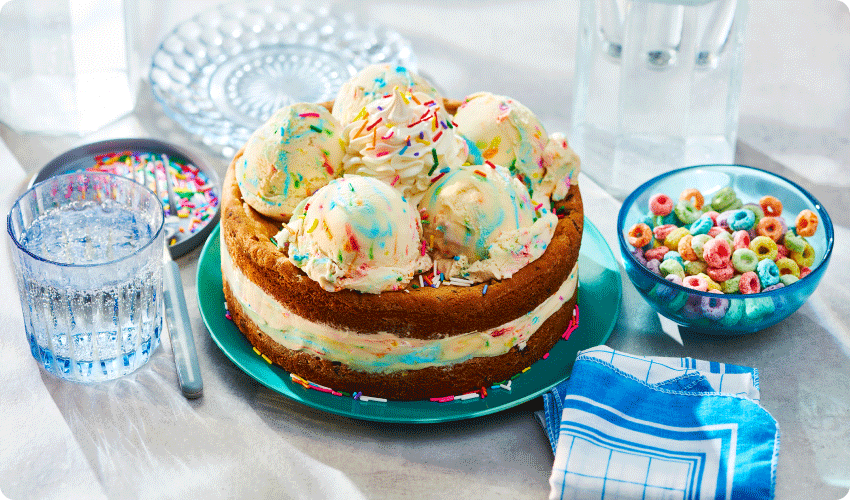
<point>657,87</point>
<point>65,67</point>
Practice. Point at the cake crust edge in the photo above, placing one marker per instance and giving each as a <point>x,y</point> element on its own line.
<point>407,385</point>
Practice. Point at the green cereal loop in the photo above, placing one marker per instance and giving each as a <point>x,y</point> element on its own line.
<point>698,244</point>
<point>693,267</point>
<point>672,239</point>
<point>787,266</point>
<point>672,266</point>
<point>788,279</point>
<point>755,308</point>
<point>734,313</point>
<point>744,259</point>
<point>723,198</point>
<point>765,248</point>
<point>732,284</point>
<point>794,243</point>
<point>686,212</point>
<point>735,205</point>
<point>678,302</point>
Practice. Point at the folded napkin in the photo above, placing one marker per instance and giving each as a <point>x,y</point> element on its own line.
<point>625,426</point>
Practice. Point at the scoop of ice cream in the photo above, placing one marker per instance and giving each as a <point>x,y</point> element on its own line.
<point>480,223</point>
<point>403,139</point>
<point>504,132</point>
<point>356,233</point>
<point>373,83</point>
<point>297,151</point>
<point>562,166</point>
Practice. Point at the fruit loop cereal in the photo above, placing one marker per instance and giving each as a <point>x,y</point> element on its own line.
<point>723,246</point>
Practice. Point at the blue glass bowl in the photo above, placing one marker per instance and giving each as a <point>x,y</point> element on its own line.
<point>745,313</point>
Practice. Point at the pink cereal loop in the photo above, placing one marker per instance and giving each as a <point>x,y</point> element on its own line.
<point>749,283</point>
<point>656,253</point>
<point>661,232</point>
<point>660,204</point>
<point>715,230</point>
<point>721,274</point>
<point>740,239</point>
<point>716,252</point>
<point>695,282</point>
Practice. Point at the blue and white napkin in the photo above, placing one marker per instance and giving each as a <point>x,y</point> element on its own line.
<point>625,426</point>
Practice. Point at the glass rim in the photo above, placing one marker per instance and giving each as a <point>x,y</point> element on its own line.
<point>121,179</point>
<point>816,273</point>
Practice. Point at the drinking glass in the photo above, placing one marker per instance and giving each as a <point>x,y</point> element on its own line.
<point>88,253</point>
<point>657,87</point>
<point>66,66</point>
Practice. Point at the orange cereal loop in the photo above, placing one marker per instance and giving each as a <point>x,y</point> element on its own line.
<point>770,227</point>
<point>694,196</point>
<point>771,206</point>
<point>685,249</point>
<point>640,235</point>
<point>807,223</point>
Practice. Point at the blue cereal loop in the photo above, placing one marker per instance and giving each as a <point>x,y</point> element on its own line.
<point>661,220</point>
<point>768,273</point>
<point>674,255</point>
<point>741,219</point>
<point>755,208</point>
<point>649,220</point>
<point>701,226</point>
<point>663,293</point>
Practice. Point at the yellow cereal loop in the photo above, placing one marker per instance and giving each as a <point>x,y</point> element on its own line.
<point>672,239</point>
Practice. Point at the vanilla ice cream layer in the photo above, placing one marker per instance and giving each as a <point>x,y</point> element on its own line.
<point>383,352</point>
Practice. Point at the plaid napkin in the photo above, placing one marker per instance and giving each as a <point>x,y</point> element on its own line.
<point>625,426</point>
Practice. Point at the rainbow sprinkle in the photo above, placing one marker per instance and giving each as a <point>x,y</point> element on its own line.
<point>195,194</point>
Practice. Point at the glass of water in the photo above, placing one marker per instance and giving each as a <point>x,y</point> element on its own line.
<point>88,253</point>
<point>657,87</point>
<point>72,67</point>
